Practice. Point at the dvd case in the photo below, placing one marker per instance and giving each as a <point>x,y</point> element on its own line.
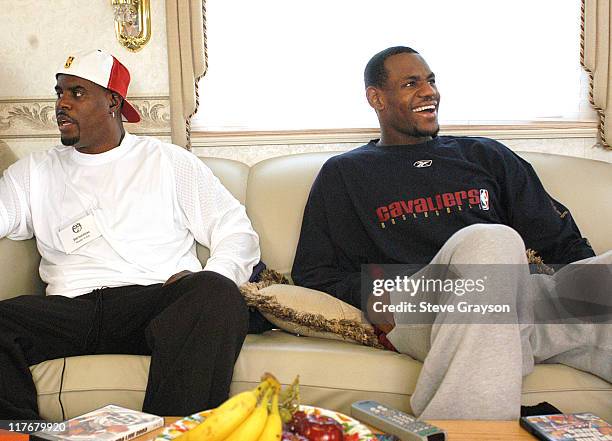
<point>568,427</point>
<point>109,423</point>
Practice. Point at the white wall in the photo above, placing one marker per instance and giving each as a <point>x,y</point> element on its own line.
<point>38,35</point>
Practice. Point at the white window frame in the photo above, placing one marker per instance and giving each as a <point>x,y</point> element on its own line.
<point>507,130</point>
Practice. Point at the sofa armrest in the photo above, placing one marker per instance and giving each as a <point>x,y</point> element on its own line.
<point>19,262</point>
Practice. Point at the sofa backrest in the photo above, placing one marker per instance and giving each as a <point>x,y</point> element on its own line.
<point>276,195</point>
<point>275,192</point>
<point>584,186</point>
<point>232,174</point>
<point>19,260</point>
<point>19,268</point>
<point>278,188</point>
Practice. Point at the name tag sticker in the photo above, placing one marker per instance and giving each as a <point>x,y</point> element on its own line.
<point>79,233</point>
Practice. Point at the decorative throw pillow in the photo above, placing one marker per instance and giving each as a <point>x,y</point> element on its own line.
<point>312,313</point>
<point>308,312</point>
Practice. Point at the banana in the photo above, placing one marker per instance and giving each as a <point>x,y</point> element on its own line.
<point>273,430</point>
<point>251,428</point>
<point>228,416</point>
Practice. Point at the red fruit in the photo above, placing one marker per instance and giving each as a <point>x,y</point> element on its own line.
<point>316,427</point>
<point>288,436</point>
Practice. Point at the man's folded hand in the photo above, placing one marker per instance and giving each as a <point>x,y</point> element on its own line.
<point>173,278</point>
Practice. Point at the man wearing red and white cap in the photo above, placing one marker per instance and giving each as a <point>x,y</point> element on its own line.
<point>116,217</point>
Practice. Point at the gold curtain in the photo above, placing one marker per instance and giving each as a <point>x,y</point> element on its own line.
<point>186,63</point>
<point>595,57</point>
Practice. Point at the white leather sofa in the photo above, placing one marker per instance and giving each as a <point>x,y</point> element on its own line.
<point>333,374</point>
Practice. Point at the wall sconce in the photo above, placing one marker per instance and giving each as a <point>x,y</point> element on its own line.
<point>132,22</point>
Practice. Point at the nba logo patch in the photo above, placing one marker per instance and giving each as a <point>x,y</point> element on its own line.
<point>484,199</point>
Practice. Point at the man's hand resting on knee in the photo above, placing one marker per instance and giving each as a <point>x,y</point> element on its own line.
<point>383,322</point>
<point>173,278</point>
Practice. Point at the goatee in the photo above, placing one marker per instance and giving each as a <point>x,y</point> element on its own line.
<point>417,133</point>
<point>70,141</point>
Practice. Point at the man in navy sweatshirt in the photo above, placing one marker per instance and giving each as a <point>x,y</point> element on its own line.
<point>412,197</point>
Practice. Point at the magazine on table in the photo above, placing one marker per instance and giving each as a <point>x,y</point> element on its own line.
<point>568,427</point>
<point>109,423</point>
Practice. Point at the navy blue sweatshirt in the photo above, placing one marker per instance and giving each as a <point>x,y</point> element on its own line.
<point>400,204</point>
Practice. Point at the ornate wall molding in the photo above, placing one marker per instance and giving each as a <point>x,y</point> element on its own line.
<point>35,117</point>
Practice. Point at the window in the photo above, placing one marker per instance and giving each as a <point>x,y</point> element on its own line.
<point>278,65</point>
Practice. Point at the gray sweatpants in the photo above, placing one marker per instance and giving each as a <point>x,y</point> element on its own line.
<point>474,371</point>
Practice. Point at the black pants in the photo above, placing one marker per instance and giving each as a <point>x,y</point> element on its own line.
<point>193,328</point>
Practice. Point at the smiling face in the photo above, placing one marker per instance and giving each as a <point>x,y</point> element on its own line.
<point>407,103</point>
<point>84,114</point>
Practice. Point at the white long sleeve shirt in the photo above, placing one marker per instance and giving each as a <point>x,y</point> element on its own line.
<point>150,201</point>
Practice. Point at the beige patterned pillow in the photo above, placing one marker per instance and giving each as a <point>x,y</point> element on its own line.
<point>309,312</point>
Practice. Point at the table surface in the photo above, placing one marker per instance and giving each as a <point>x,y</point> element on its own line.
<point>456,430</point>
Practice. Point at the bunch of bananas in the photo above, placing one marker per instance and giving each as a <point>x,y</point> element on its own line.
<point>244,417</point>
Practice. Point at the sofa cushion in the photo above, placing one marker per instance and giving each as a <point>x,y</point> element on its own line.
<point>568,389</point>
<point>333,374</point>
<point>90,382</point>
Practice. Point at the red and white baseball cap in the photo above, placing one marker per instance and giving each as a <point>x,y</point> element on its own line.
<point>105,70</point>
